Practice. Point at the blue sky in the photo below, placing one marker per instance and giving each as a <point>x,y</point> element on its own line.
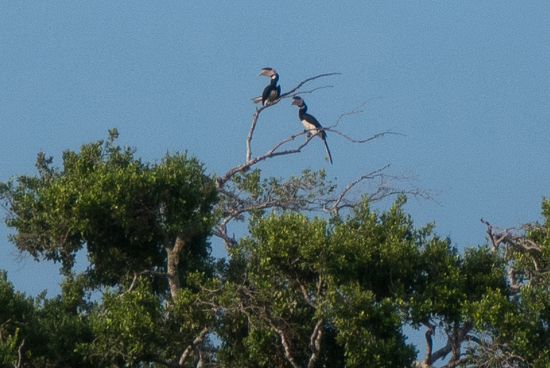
<point>466,83</point>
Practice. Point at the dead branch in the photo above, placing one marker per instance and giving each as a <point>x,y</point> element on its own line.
<point>304,82</point>
<point>513,240</point>
<point>335,207</point>
<point>269,154</point>
<point>273,151</point>
<point>256,114</point>
<point>514,287</point>
<point>357,110</point>
<point>308,92</point>
<point>377,135</point>
<point>509,236</point>
<point>496,239</point>
<point>494,354</point>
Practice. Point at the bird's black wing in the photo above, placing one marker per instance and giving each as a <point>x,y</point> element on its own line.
<point>266,93</point>
<point>311,120</point>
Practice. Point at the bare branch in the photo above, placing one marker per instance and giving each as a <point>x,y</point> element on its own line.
<point>19,355</point>
<point>197,341</point>
<point>494,354</point>
<point>221,232</point>
<point>304,82</point>
<point>509,236</point>
<point>514,239</point>
<point>285,343</point>
<point>154,273</point>
<point>306,92</point>
<point>442,352</point>
<point>132,285</point>
<point>315,343</point>
<point>455,339</point>
<point>335,206</point>
<point>284,95</point>
<point>251,131</point>
<point>271,153</point>
<point>357,110</point>
<point>377,135</point>
<point>306,296</point>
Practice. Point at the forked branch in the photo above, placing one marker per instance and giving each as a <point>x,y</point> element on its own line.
<point>315,343</point>
<point>197,341</point>
<point>284,95</point>
<point>269,154</point>
<point>336,206</point>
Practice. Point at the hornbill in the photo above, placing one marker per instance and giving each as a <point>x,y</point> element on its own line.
<point>312,126</point>
<point>272,92</point>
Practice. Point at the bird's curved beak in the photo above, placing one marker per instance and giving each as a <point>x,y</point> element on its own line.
<point>295,102</point>
<point>267,72</point>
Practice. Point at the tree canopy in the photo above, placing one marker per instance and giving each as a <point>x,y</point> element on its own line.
<point>320,279</point>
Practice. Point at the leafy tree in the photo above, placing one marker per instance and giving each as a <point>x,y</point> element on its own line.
<point>145,229</point>
<point>319,280</point>
<point>133,218</point>
<point>44,331</point>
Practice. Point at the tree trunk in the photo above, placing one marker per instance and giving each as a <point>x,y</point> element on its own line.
<point>173,259</point>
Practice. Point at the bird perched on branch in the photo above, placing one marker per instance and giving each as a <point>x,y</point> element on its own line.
<point>312,126</point>
<point>272,92</point>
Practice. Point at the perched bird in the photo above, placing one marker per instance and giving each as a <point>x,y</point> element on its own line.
<point>272,91</point>
<point>312,126</point>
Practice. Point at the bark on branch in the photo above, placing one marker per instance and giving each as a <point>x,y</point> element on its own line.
<point>197,341</point>
<point>315,343</point>
<point>172,261</point>
<point>285,343</point>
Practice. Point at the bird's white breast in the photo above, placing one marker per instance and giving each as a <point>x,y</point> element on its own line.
<point>312,129</point>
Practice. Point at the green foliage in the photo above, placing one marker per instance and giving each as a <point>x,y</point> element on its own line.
<point>126,212</point>
<point>16,319</point>
<point>296,291</point>
<point>125,327</point>
<point>248,193</point>
<point>300,271</point>
<point>45,331</point>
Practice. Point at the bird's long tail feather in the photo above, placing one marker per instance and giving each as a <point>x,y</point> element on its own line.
<point>328,151</point>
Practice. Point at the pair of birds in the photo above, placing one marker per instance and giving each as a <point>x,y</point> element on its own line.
<point>273,91</point>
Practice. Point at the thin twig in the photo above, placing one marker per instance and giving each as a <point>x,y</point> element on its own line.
<point>256,114</point>
<point>335,207</point>
<point>377,135</point>
<point>357,110</point>
<point>304,82</point>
